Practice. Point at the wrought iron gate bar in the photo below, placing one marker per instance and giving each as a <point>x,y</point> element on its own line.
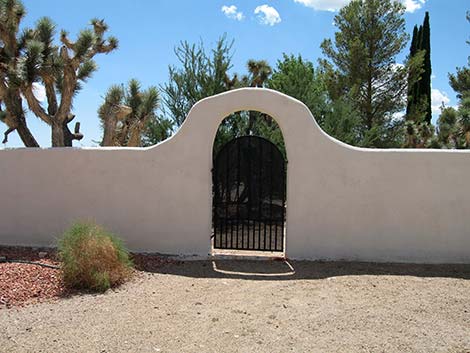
<point>249,195</point>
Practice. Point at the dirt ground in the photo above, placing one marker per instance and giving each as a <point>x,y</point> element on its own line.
<point>245,306</point>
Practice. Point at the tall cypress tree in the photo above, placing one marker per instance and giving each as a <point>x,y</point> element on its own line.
<point>419,92</point>
<point>425,85</point>
<point>412,86</point>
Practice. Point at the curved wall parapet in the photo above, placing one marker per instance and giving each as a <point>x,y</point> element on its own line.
<point>343,202</point>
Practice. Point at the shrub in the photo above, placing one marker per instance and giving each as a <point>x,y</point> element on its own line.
<point>93,258</point>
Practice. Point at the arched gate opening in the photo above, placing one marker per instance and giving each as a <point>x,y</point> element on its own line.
<point>249,196</point>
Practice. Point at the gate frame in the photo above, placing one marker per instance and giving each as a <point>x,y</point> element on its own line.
<point>243,250</point>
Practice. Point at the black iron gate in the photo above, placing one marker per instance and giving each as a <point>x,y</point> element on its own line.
<point>249,193</point>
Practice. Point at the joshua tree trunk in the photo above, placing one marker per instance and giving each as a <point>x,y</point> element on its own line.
<point>135,139</point>
<point>58,136</point>
<point>61,134</point>
<point>109,131</point>
<point>15,118</point>
<point>25,134</point>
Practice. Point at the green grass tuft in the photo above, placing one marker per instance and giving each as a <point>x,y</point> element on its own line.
<point>92,258</point>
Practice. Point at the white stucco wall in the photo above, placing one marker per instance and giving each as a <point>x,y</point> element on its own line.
<point>343,202</point>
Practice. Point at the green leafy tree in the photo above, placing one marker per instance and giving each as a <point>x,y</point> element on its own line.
<point>201,75</point>
<point>158,129</point>
<point>297,78</point>
<point>360,66</point>
<point>126,114</point>
<point>447,128</point>
<point>343,122</point>
<point>460,81</point>
<point>454,124</point>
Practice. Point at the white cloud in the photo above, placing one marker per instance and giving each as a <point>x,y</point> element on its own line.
<point>324,5</point>
<point>267,15</point>
<point>39,92</point>
<point>413,5</point>
<point>437,98</point>
<point>232,12</point>
<point>335,5</point>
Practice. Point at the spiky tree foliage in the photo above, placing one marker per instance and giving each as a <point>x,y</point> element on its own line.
<point>419,135</point>
<point>112,112</point>
<point>62,70</point>
<point>411,131</point>
<point>126,113</point>
<point>12,47</point>
<point>447,129</point>
<point>360,65</point>
<point>259,72</point>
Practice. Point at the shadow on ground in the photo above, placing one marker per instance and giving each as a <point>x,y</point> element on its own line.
<point>305,270</point>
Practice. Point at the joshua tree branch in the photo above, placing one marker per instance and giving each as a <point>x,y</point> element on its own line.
<point>6,133</point>
<point>70,81</point>
<point>65,41</point>
<point>101,49</point>
<point>34,104</point>
<point>77,135</point>
<point>51,97</point>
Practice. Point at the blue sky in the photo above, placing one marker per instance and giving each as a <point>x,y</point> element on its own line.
<point>148,31</point>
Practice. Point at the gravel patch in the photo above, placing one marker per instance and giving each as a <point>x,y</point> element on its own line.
<point>245,306</point>
<point>22,283</point>
<point>40,280</point>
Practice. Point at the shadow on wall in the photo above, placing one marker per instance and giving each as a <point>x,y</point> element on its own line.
<point>306,270</point>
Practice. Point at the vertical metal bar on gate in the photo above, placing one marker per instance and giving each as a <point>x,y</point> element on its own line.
<point>270,196</point>
<point>248,179</point>
<point>214,202</point>
<point>250,162</point>
<point>283,199</point>
<point>227,198</point>
<point>276,223</point>
<point>238,190</point>
<point>260,193</point>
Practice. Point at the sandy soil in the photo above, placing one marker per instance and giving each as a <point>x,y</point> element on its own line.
<point>243,306</point>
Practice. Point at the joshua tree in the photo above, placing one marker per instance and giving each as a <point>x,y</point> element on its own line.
<point>259,72</point>
<point>126,113</point>
<point>31,58</point>
<point>11,48</point>
<point>111,113</point>
<point>61,71</point>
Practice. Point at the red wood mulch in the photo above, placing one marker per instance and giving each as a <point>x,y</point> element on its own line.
<point>22,284</point>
